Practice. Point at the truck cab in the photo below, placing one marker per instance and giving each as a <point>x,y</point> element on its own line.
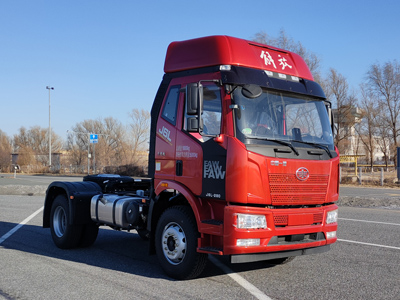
<point>244,134</point>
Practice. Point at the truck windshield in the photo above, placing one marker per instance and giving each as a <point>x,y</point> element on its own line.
<point>282,116</point>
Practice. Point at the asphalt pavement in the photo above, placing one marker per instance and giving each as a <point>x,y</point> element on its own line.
<point>362,264</point>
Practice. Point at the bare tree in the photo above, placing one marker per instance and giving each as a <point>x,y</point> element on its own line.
<point>77,147</point>
<point>5,152</point>
<point>26,157</point>
<point>383,140</point>
<point>111,146</point>
<point>110,149</point>
<point>21,139</point>
<point>37,139</point>
<point>344,103</point>
<point>384,83</point>
<point>35,142</point>
<point>367,130</point>
<point>140,129</point>
<point>78,143</point>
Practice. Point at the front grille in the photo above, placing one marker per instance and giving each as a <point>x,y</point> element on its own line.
<point>281,220</point>
<point>298,219</point>
<point>292,179</point>
<point>296,239</point>
<point>286,189</point>
<point>287,199</point>
<point>298,188</point>
<point>318,217</point>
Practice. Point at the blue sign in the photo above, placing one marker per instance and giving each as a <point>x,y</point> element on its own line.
<point>94,139</point>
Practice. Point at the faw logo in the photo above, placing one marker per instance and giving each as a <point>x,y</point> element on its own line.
<point>213,170</point>
<point>302,174</point>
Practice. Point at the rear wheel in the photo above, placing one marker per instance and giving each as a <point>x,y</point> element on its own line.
<point>89,235</point>
<point>64,234</point>
<point>176,244</point>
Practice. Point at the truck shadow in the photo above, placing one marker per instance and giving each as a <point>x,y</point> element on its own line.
<point>119,251</point>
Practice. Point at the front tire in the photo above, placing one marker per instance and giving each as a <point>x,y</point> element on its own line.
<point>176,244</point>
<point>64,234</point>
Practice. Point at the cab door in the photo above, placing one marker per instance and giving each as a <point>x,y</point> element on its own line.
<point>165,166</point>
<point>197,154</point>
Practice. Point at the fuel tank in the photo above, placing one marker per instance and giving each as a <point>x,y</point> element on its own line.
<point>117,211</point>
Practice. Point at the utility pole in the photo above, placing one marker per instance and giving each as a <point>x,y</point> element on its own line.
<point>49,88</point>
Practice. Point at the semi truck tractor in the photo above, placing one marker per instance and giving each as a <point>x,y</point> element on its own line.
<point>242,163</point>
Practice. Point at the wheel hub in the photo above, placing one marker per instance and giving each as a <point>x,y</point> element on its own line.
<point>59,221</point>
<point>174,243</point>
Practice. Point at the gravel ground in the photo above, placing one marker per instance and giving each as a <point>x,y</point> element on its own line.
<point>34,190</point>
<point>389,203</point>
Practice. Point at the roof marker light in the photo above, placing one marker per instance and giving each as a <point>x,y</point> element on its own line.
<point>225,67</point>
<point>295,78</point>
<point>282,76</point>
<point>269,73</point>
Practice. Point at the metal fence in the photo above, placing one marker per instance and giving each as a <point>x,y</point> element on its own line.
<point>376,175</point>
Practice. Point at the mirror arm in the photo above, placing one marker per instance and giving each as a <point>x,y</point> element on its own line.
<point>200,106</point>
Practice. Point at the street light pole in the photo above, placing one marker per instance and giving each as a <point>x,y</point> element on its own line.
<point>49,88</point>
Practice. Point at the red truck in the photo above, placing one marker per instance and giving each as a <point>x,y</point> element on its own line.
<point>241,163</point>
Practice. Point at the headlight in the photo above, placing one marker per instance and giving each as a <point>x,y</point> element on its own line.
<point>332,216</point>
<point>251,221</point>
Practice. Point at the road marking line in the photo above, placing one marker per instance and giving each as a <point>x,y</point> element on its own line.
<point>15,229</point>
<point>240,280</point>
<point>369,244</point>
<point>370,221</point>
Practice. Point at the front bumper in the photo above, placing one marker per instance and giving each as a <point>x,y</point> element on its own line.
<point>288,229</point>
<point>246,258</point>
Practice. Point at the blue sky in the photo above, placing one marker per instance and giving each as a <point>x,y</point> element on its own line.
<point>105,58</point>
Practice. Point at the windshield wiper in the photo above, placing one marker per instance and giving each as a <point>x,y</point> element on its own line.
<point>278,142</point>
<point>317,146</point>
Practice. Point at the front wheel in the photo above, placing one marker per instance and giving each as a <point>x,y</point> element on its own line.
<point>64,234</point>
<point>176,244</point>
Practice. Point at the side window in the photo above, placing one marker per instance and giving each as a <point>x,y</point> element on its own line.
<point>171,105</point>
<point>212,110</point>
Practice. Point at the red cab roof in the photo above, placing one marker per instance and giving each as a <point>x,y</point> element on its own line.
<point>226,50</point>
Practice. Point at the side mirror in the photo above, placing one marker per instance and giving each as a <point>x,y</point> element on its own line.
<point>329,110</point>
<point>194,98</point>
<point>194,107</point>
<point>192,124</point>
<point>328,106</point>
